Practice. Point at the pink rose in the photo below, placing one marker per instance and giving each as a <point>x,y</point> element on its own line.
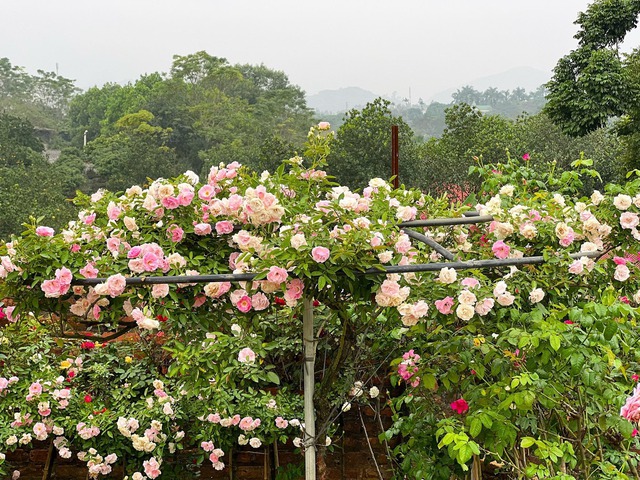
<point>185,197</point>
<point>202,229</point>
<point>501,249</point>
<point>294,289</point>
<point>170,202</point>
<point>116,285</point>
<point>320,254</point>
<point>45,231</point>
<point>631,409</point>
<point>244,304</point>
<point>246,355</point>
<point>259,301</point>
<point>224,227</point>
<point>9,313</point>
<point>134,252</point>
<point>151,468</point>
<point>206,192</point>
<point>151,262</point>
<point>160,290</point>
<point>277,275</point>
<point>444,305</point>
<point>175,233</point>
<point>470,282</point>
<point>113,211</point>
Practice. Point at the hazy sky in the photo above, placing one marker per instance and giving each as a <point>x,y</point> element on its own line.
<point>382,46</point>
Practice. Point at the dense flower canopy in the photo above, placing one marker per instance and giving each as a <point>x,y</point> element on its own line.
<point>298,234</point>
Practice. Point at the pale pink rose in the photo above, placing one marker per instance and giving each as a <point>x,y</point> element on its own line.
<point>577,267</point>
<point>116,285</point>
<point>246,355</point>
<point>631,409</point>
<point>35,389</point>
<point>375,241</point>
<point>536,295</point>
<point>390,288</point>
<point>505,299</point>
<point>259,301</point>
<point>224,227</point>
<point>113,244</point>
<point>324,126</point>
<point>185,197</point>
<point>444,305</point>
<point>320,254</point>
<point>403,245</point>
<point>89,219</point>
<point>295,288</point>
<point>470,282</point>
<point>217,289</point>
<point>621,273</point>
<point>500,249</point>
<point>160,290</point>
<point>136,265</point>
<point>629,220</point>
<point>151,262</point>
<point>152,468</point>
<point>485,306</point>
<point>51,288</point>
<point>244,304</point>
<point>170,202</point>
<point>500,288</point>
<point>113,211</point>
<point>206,192</point>
<point>40,431</point>
<point>298,241</point>
<point>281,422</point>
<point>175,233</point>
<point>246,424</point>
<point>45,231</point>
<point>406,214</point>
<point>447,275</point>
<point>202,229</point>
<point>277,275</point>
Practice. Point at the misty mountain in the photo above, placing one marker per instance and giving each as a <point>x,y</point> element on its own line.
<point>340,100</point>
<point>525,77</point>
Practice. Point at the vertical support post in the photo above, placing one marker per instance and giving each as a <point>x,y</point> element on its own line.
<point>309,386</point>
<point>395,156</point>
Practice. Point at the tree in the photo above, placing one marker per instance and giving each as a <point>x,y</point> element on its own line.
<point>363,147</point>
<point>136,152</point>
<point>589,85</point>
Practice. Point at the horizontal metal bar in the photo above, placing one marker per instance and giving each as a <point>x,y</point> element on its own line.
<point>443,222</point>
<point>431,242</point>
<point>472,264</point>
<point>425,267</point>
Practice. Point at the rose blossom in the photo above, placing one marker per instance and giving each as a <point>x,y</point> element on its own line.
<point>447,275</point>
<point>277,275</point>
<point>500,249</point>
<point>244,304</point>
<point>246,355</point>
<point>320,254</point>
<point>202,229</point>
<point>622,202</point>
<point>45,231</point>
<point>444,305</point>
<point>160,290</point>
<point>536,295</point>
<point>465,311</point>
<point>631,409</point>
<point>116,285</point>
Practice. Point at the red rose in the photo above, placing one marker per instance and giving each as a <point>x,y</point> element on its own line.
<point>460,406</point>
<point>88,399</point>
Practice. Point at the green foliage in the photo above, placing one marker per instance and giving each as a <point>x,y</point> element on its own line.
<point>362,149</point>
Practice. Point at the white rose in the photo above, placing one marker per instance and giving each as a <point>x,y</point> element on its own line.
<point>255,442</point>
<point>447,275</point>
<point>596,197</point>
<point>622,202</point>
<point>536,295</point>
<point>374,392</point>
<point>507,190</point>
<point>465,312</point>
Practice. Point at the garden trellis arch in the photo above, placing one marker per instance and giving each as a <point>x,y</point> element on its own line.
<point>309,340</point>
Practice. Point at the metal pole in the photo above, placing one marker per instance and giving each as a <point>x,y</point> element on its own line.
<point>395,157</point>
<point>309,386</point>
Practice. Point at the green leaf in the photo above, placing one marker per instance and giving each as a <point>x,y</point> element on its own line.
<point>554,341</point>
<point>273,377</point>
<point>526,442</point>
<point>476,427</point>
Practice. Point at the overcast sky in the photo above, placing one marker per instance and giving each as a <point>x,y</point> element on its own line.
<point>382,46</point>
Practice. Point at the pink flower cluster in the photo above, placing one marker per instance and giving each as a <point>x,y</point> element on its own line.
<point>247,424</point>
<point>59,285</point>
<point>87,431</point>
<point>407,369</point>
<point>390,293</point>
<point>215,454</point>
<point>148,257</point>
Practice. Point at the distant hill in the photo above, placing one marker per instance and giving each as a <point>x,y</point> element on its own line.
<point>525,77</point>
<point>340,100</point>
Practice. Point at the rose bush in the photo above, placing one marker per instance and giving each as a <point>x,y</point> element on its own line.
<point>525,366</point>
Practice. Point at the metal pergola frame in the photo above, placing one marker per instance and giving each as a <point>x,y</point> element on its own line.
<point>309,343</point>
